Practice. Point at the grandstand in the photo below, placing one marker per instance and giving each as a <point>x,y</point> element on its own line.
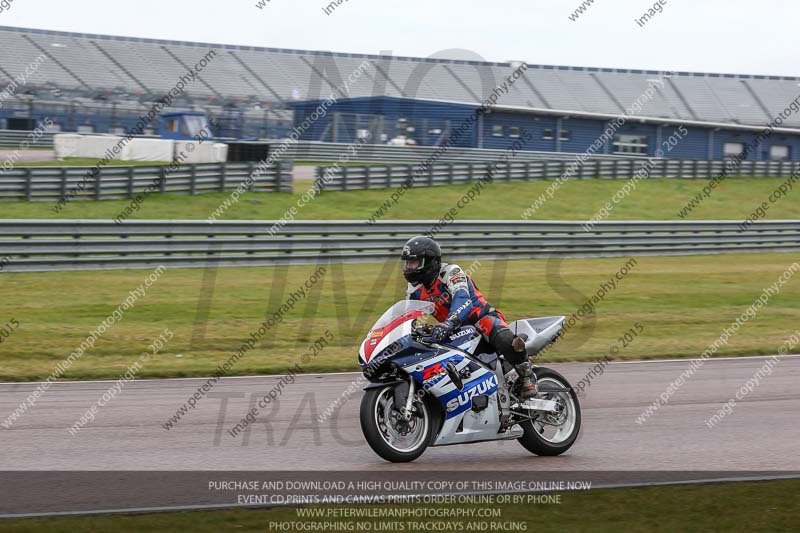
<point>254,85</point>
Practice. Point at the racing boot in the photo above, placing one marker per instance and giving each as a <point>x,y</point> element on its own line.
<point>527,386</point>
<point>525,370</point>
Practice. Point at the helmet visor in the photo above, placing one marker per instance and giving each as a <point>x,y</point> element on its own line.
<point>413,264</point>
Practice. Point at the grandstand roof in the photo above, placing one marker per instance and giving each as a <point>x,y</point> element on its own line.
<point>77,61</point>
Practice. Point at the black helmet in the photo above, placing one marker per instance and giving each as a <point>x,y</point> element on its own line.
<point>427,251</point>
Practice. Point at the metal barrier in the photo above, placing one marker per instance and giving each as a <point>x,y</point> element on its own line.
<point>55,183</point>
<point>390,176</point>
<point>15,138</point>
<point>51,245</point>
<point>320,151</point>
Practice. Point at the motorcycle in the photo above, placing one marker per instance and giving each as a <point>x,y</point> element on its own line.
<point>423,393</point>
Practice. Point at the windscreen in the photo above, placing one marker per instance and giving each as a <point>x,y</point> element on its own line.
<point>400,308</point>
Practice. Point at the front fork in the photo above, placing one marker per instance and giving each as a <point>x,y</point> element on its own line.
<point>404,404</point>
<point>408,411</point>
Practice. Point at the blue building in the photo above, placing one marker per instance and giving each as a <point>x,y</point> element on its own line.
<point>382,119</point>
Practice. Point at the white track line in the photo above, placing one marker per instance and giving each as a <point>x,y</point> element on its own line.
<point>222,506</point>
<point>324,374</point>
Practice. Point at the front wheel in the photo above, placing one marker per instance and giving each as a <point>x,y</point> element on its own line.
<point>553,433</point>
<point>388,433</point>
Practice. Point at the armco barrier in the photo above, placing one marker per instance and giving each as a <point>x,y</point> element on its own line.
<point>384,153</point>
<point>323,151</point>
<point>49,245</point>
<point>11,139</point>
<point>54,183</point>
<point>359,177</point>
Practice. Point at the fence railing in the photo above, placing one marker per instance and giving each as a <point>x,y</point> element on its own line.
<point>54,183</point>
<point>390,176</point>
<point>49,245</point>
<point>15,138</point>
<point>384,153</point>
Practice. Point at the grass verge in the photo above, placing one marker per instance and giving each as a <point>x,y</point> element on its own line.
<point>654,199</point>
<point>681,303</point>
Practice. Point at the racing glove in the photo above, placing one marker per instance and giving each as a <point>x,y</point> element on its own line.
<point>442,331</point>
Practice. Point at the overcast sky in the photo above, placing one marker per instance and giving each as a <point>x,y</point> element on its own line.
<point>735,36</point>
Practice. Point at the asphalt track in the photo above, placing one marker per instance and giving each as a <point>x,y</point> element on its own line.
<point>760,435</point>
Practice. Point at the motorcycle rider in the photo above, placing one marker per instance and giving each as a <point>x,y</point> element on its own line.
<point>459,302</point>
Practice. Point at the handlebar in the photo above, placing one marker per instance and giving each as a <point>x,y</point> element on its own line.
<point>424,330</point>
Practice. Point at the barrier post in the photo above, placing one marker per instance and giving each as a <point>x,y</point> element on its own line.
<point>28,184</point>
<point>130,182</point>
<point>193,179</point>
<point>98,185</point>
<point>63,182</point>
<point>162,182</point>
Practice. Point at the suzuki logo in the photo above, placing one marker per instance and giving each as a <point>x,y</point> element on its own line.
<point>466,397</point>
<point>460,334</point>
<point>432,371</point>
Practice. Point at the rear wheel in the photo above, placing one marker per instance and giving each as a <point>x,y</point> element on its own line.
<point>388,433</point>
<point>553,433</point>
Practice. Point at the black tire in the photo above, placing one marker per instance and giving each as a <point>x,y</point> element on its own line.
<point>374,436</point>
<point>532,440</point>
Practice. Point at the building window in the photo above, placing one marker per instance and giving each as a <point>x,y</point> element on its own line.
<point>565,135</point>
<point>779,152</point>
<point>630,144</point>
<point>513,132</point>
<point>497,131</point>
<point>731,150</point>
<point>547,135</point>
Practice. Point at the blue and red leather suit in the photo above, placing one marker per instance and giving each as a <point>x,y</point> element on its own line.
<point>455,295</point>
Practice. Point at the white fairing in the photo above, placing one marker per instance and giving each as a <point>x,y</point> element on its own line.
<point>384,342</point>
<point>477,426</point>
<point>466,426</point>
<point>540,331</point>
